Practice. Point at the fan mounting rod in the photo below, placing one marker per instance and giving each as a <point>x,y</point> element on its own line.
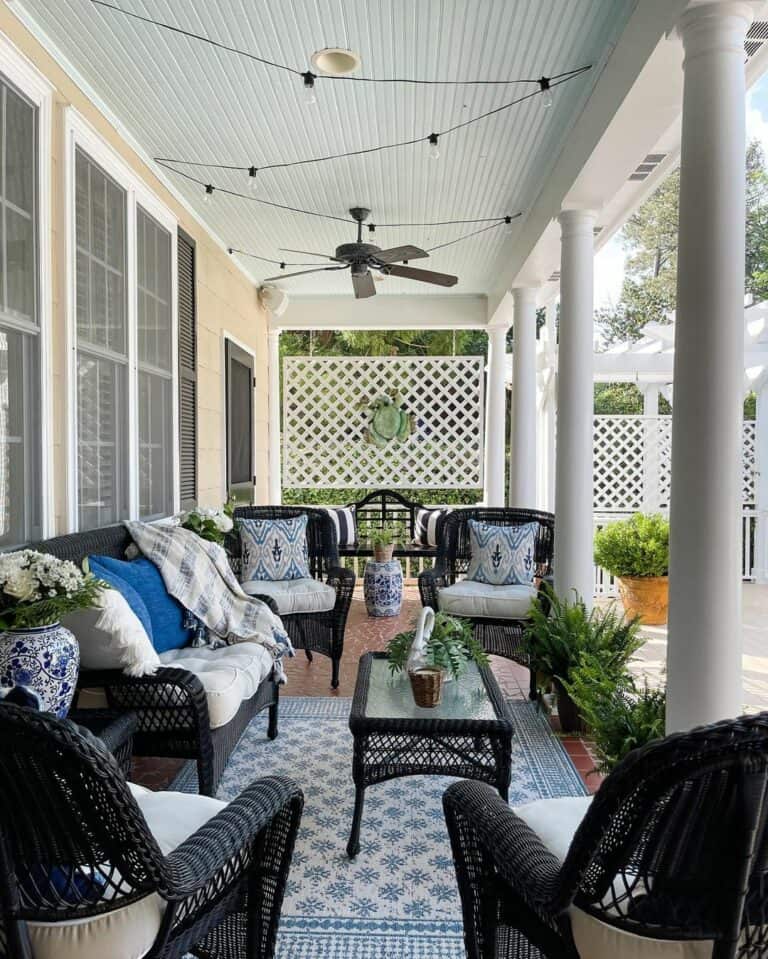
<point>359,213</point>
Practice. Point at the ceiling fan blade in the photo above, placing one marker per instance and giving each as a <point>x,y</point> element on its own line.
<point>308,253</point>
<point>426,276</point>
<point>320,269</point>
<point>396,253</point>
<point>363,285</point>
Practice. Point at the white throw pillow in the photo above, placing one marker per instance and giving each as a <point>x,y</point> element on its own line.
<point>111,636</point>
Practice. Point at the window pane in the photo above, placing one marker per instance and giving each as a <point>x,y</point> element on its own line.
<point>20,263</point>
<point>19,149</point>
<point>155,439</point>
<point>20,427</point>
<point>101,431</point>
<point>100,224</point>
<point>102,414</point>
<point>20,501</point>
<point>154,255</point>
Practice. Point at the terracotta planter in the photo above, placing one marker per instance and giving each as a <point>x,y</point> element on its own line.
<point>646,597</point>
<point>567,713</point>
<point>383,554</point>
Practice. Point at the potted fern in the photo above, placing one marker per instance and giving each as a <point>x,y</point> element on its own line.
<point>436,649</point>
<point>636,552</point>
<point>561,633</point>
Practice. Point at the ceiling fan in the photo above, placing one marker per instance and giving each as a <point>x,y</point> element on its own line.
<point>361,258</point>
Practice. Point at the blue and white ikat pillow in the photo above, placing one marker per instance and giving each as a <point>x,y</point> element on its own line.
<point>274,549</point>
<point>501,555</point>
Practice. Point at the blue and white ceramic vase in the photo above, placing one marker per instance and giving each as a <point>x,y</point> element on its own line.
<point>45,659</point>
<point>383,588</point>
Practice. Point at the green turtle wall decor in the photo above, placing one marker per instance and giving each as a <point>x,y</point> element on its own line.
<point>389,421</point>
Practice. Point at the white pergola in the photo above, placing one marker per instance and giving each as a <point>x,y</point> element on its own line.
<point>686,100</point>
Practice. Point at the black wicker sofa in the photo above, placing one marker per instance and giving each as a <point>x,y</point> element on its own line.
<point>171,705</point>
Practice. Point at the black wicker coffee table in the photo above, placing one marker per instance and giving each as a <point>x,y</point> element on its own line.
<point>468,735</point>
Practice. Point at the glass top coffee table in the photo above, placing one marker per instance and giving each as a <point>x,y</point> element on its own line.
<point>468,735</point>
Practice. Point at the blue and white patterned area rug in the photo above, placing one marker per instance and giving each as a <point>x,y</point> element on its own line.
<point>398,899</point>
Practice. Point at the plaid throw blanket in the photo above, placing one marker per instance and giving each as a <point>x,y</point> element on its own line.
<point>197,573</point>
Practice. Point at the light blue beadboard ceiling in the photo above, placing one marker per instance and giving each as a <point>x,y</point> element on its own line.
<point>179,97</point>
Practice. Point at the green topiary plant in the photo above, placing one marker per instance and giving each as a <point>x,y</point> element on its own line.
<point>450,645</point>
<point>620,715</point>
<point>638,546</point>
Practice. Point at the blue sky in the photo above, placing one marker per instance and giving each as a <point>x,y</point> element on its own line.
<point>609,262</point>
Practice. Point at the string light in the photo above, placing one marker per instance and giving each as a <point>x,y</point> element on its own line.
<point>434,149</point>
<point>508,231</point>
<point>208,195</point>
<point>309,95</point>
<point>545,86</point>
<point>564,78</point>
<point>253,173</point>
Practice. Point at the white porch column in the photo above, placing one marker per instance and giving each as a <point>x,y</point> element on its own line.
<point>575,406</point>
<point>761,485</point>
<point>704,645</point>
<point>275,472</point>
<point>495,415</point>
<point>522,456</point>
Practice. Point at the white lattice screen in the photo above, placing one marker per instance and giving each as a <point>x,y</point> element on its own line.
<point>632,456</point>
<point>324,421</point>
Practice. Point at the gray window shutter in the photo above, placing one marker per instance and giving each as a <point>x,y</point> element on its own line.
<point>187,371</point>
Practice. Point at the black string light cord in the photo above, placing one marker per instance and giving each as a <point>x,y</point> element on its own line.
<point>308,73</point>
<point>431,138</point>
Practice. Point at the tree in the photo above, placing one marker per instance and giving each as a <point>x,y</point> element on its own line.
<point>650,239</point>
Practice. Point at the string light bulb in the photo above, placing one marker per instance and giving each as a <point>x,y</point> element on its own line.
<point>309,95</point>
<point>434,148</point>
<point>253,186</point>
<point>546,92</point>
<point>508,226</point>
<point>208,196</point>
<point>371,227</point>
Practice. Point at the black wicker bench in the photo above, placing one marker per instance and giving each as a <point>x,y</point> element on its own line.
<point>383,509</point>
<point>171,705</point>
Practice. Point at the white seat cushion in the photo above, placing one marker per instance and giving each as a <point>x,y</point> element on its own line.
<point>467,598</point>
<point>229,674</point>
<point>294,595</point>
<point>555,821</point>
<point>128,932</point>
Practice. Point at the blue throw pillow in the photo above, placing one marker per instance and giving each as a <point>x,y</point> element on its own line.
<point>166,614</point>
<point>274,549</point>
<point>133,599</point>
<point>501,555</point>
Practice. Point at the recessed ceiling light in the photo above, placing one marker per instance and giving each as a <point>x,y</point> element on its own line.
<point>336,62</point>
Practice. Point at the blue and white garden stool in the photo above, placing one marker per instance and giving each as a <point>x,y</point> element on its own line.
<point>383,588</point>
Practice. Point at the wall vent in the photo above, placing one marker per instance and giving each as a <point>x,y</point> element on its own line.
<point>554,277</point>
<point>756,37</point>
<point>649,164</point>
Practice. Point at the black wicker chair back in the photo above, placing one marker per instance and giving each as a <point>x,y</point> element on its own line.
<point>675,843</point>
<point>74,842</point>
<point>453,552</point>
<point>107,541</point>
<point>321,535</point>
<point>674,846</point>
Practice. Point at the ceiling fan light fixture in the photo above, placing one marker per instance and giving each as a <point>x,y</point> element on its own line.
<point>336,61</point>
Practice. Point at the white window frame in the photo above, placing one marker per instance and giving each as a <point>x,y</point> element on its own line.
<point>15,67</point>
<point>79,134</point>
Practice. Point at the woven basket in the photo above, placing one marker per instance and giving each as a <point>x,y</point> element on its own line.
<point>427,686</point>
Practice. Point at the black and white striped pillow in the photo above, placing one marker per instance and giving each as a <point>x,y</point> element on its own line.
<point>346,524</point>
<point>425,527</point>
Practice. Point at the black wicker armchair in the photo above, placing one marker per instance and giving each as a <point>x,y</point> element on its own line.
<point>314,632</point>
<point>674,846</point>
<point>500,636</point>
<point>171,705</point>
<point>76,848</point>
